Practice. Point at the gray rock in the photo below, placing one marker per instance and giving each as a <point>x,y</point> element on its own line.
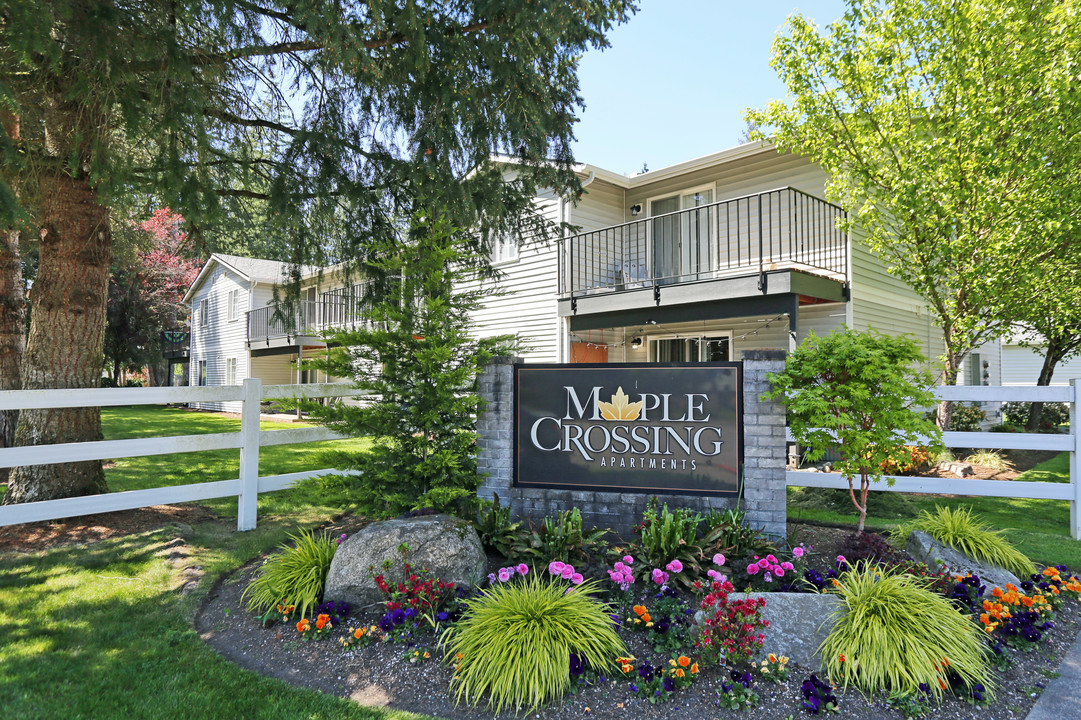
<point>450,548</point>
<point>798,623</point>
<point>926,549</point>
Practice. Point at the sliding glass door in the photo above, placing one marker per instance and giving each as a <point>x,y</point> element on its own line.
<point>682,242</point>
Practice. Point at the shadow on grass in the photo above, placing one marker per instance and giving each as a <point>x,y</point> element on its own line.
<point>94,632</point>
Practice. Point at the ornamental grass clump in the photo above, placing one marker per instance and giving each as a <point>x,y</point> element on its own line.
<point>967,533</point>
<point>893,634</point>
<point>295,576</point>
<point>514,642</point>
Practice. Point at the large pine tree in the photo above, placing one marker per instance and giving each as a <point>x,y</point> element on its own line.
<point>322,119</point>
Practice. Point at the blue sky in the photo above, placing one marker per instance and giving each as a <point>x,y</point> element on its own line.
<point>677,78</point>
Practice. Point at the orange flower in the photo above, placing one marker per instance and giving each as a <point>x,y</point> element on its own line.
<point>1027,601</point>
<point>303,625</point>
<point>626,667</point>
<point>841,658</point>
<point>997,592</point>
<point>941,684</point>
<point>321,621</point>
<point>694,669</point>
<point>684,661</point>
<point>358,633</point>
<point>680,673</point>
<point>772,658</point>
<point>639,610</point>
<point>645,618</point>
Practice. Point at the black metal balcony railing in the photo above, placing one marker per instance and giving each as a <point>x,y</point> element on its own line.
<point>336,310</point>
<point>175,343</point>
<point>775,230</point>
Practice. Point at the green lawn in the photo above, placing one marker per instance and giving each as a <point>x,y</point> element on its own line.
<point>98,631</point>
<point>1039,528</point>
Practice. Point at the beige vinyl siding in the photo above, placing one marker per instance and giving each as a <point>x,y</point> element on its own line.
<point>884,302</point>
<point>525,305</point>
<point>274,369</point>
<point>598,257</point>
<point>221,338</point>
<point>1021,366</point>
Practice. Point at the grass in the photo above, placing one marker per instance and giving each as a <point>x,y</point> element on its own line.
<point>1057,469</point>
<point>98,631</point>
<point>1038,528</point>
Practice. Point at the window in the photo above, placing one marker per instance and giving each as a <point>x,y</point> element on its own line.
<point>975,369</point>
<point>204,315</point>
<point>504,249</point>
<point>694,348</point>
<point>230,371</point>
<point>234,305</point>
<point>202,371</point>
<point>682,242</point>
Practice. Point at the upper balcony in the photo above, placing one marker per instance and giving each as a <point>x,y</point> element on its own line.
<point>777,242</point>
<point>304,322</point>
<point>174,344</point>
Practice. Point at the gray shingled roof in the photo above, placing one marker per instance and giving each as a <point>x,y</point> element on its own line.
<point>266,271</point>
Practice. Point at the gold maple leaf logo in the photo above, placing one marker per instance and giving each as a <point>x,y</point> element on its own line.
<point>619,408</point>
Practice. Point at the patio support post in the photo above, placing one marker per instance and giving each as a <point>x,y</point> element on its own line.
<point>248,502</point>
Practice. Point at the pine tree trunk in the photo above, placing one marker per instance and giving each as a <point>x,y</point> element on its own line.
<point>67,332</point>
<point>12,331</point>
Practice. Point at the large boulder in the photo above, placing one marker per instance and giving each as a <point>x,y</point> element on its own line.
<point>450,548</point>
<point>798,623</point>
<point>926,549</point>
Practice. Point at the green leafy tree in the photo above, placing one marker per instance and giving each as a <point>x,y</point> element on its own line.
<point>948,130</point>
<point>858,393</point>
<point>418,363</point>
<point>322,120</point>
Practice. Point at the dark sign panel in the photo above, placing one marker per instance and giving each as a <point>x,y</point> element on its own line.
<point>647,427</point>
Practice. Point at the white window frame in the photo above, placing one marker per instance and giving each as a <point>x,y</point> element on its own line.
<point>506,249</point>
<point>698,335</point>
<point>234,305</point>
<point>201,378</point>
<point>204,312</point>
<point>230,371</point>
<point>681,193</point>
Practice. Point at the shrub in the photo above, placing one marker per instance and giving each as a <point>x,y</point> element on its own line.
<point>558,538</point>
<point>893,634</point>
<point>913,457</point>
<point>729,532</point>
<point>967,418</point>
<point>494,526</point>
<point>988,458</point>
<point>1054,414</point>
<point>515,640</point>
<point>964,532</point>
<point>294,576</point>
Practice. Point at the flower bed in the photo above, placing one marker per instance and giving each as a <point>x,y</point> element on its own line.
<point>705,650</point>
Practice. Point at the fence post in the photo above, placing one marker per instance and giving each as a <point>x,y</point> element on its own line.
<point>248,502</point>
<point>1075,460</point>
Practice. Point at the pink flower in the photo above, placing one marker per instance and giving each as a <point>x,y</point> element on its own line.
<point>619,567</point>
<point>628,559</point>
<point>787,566</point>
<point>763,563</point>
<point>771,559</point>
<point>798,551</point>
<point>577,578</point>
<point>523,569</point>
<point>659,576</point>
<point>752,569</point>
<point>718,559</point>
<point>555,567</point>
<point>675,566</point>
<point>841,559</point>
<point>778,571</point>
<point>504,574</point>
<point>568,572</point>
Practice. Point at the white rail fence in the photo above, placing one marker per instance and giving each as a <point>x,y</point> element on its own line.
<point>245,488</point>
<point>999,441</point>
